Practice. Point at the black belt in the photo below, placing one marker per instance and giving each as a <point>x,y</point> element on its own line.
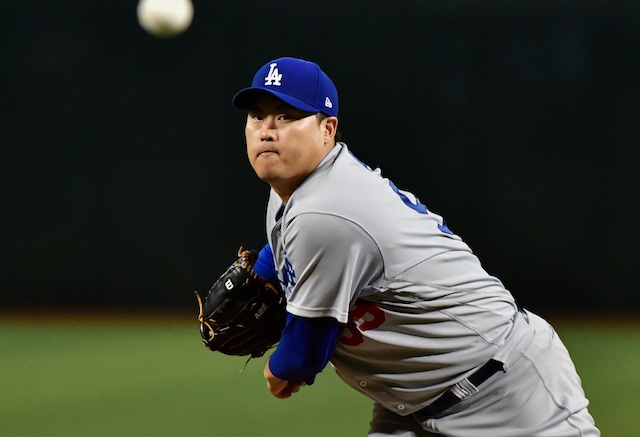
<point>448,399</point>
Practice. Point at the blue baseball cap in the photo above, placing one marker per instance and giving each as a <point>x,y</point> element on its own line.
<point>299,83</point>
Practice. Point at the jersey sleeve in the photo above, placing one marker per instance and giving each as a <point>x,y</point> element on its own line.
<point>264,266</point>
<point>305,348</point>
<point>332,261</point>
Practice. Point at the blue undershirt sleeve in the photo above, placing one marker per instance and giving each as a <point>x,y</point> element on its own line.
<point>305,348</point>
<point>265,266</point>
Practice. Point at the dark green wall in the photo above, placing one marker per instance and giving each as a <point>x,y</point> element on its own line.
<point>124,179</point>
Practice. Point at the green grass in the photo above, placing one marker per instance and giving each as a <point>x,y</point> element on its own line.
<point>607,357</point>
<point>117,376</point>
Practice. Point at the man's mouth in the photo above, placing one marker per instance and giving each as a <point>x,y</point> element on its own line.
<point>267,152</point>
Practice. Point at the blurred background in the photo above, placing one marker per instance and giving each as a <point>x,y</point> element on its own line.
<point>124,180</point>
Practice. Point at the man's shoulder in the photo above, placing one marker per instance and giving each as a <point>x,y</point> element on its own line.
<point>341,182</point>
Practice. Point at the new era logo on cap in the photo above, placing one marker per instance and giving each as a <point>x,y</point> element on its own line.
<point>327,103</point>
<point>299,83</point>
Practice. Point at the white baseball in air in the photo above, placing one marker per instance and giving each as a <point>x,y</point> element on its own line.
<point>165,18</point>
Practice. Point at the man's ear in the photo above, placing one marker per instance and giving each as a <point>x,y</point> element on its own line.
<point>330,128</point>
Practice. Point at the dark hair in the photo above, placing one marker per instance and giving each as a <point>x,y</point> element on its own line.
<point>321,116</point>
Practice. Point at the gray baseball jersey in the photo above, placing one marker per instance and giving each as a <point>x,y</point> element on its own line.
<point>419,311</point>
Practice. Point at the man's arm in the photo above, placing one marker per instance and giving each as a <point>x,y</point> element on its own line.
<point>265,266</point>
<point>305,348</point>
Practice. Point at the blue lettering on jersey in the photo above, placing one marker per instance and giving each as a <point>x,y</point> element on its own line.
<point>417,206</point>
<point>288,277</point>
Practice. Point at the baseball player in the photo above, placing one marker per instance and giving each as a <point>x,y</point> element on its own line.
<point>380,287</point>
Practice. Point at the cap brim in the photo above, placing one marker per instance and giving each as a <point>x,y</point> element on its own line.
<point>246,97</point>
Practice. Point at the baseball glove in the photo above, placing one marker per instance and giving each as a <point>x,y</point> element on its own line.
<point>242,314</point>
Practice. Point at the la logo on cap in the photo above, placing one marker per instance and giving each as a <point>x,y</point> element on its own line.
<point>274,77</point>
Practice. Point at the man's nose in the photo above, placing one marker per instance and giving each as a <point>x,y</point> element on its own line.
<point>267,132</point>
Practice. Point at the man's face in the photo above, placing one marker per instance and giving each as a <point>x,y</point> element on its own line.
<point>284,144</point>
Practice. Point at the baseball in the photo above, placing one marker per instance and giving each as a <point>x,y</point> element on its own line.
<point>165,18</point>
